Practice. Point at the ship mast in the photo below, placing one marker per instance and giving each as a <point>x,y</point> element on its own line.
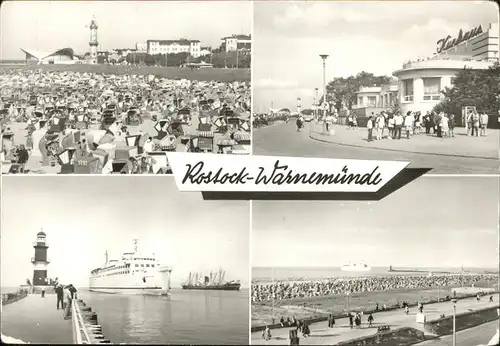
<point>106,255</point>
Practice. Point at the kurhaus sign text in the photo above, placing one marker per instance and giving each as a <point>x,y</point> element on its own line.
<point>447,43</point>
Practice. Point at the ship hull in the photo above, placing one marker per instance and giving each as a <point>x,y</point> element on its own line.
<point>229,287</point>
<point>128,290</point>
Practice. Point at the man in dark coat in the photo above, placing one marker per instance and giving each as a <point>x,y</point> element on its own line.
<point>60,294</point>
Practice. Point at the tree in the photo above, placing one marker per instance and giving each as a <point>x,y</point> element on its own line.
<point>479,88</point>
<point>343,90</point>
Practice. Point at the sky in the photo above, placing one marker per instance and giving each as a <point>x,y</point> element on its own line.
<point>85,216</point>
<point>432,222</point>
<point>46,25</point>
<point>376,37</point>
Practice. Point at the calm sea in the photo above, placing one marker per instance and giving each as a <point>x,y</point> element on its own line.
<point>187,317</point>
<point>266,274</point>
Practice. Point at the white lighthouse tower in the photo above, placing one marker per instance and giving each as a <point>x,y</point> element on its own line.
<point>40,261</point>
<point>93,41</point>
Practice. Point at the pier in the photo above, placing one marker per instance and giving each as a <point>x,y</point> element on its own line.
<point>37,320</point>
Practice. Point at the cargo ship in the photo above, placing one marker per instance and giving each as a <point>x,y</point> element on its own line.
<point>215,281</point>
<point>133,273</point>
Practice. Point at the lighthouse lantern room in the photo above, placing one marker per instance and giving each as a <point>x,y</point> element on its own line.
<point>40,261</point>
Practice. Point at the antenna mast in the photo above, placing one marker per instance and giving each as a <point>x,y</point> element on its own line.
<point>136,241</point>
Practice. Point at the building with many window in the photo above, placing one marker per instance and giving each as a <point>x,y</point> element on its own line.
<point>193,47</point>
<point>236,43</point>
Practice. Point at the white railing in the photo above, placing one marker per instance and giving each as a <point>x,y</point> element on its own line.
<point>80,333</point>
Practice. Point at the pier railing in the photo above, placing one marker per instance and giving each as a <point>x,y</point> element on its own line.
<point>84,323</point>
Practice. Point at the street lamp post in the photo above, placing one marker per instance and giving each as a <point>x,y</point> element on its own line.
<point>298,105</point>
<point>323,58</point>
<point>316,103</point>
<point>454,301</point>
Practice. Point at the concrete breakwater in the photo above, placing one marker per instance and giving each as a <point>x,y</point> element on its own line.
<point>8,298</point>
<point>86,329</point>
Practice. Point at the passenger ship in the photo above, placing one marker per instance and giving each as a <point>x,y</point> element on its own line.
<point>133,273</point>
<point>356,267</point>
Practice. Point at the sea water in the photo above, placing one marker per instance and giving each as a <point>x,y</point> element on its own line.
<point>187,317</point>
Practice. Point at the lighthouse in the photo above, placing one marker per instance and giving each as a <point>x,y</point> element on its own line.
<point>93,41</point>
<point>40,261</point>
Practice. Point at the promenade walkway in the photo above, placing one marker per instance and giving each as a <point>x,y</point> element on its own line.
<point>460,146</point>
<point>322,335</point>
<point>283,140</point>
<point>36,320</point>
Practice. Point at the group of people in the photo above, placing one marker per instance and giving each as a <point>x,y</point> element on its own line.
<point>65,295</point>
<point>439,124</point>
<point>282,290</point>
<point>83,100</point>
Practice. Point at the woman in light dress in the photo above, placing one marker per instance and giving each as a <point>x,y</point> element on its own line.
<point>380,126</point>
<point>445,128</point>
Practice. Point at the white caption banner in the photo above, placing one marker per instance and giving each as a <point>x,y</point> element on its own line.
<point>202,172</point>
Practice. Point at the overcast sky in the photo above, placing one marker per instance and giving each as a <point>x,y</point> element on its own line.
<point>85,216</point>
<point>432,222</point>
<point>375,37</point>
<point>46,25</point>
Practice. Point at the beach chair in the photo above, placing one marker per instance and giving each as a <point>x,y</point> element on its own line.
<point>87,165</point>
<point>66,160</point>
<point>126,153</point>
<point>168,143</point>
<point>243,138</point>
<point>220,124</point>
<point>175,128</point>
<point>225,145</point>
<point>7,141</point>
<point>160,162</point>
<point>162,128</point>
<point>121,167</point>
<point>134,141</point>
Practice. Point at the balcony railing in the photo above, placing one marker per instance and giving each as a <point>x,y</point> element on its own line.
<point>36,243</point>
<point>47,260</point>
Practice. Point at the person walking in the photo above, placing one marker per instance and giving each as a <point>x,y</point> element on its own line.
<point>266,334</point>
<point>398,124</point>
<point>475,124</point>
<point>369,126</point>
<point>390,126</point>
<point>67,303</point>
<point>427,123</point>
<point>380,126</point>
<point>23,157</point>
<point>60,295</point>
<point>444,125</point>
<point>451,124</point>
<point>370,320</point>
<point>409,124</point>
<point>483,123</point>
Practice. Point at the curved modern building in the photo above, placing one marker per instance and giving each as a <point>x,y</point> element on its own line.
<point>59,56</point>
<point>421,81</point>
